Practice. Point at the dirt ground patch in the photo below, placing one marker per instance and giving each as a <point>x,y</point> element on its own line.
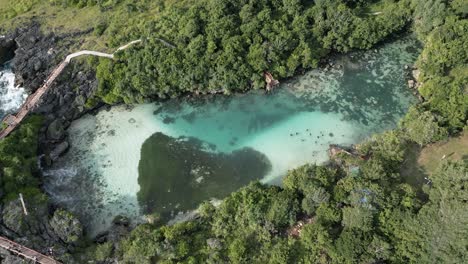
<point>453,149</point>
<point>422,162</point>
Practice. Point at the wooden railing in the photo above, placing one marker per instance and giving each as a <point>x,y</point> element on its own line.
<point>12,121</point>
<point>25,252</point>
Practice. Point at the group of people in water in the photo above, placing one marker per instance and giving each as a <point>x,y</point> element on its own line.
<point>310,134</point>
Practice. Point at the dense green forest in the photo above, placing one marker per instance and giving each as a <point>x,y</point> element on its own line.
<point>365,217</point>
<point>357,209</point>
<point>353,210</point>
<point>226,45</point>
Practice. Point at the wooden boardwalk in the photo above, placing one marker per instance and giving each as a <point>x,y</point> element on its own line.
<point>12,121</point>
<point>25,252</point>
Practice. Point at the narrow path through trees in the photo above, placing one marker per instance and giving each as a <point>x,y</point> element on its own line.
<point>12,121</point>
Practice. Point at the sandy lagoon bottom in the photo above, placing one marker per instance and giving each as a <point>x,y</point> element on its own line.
<point>168,157</point>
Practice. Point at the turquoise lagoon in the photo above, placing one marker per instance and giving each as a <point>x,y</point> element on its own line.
<point>167,157</point>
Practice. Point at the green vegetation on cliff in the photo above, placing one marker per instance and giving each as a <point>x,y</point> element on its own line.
<point>444,72</point>
<point>18,159</point>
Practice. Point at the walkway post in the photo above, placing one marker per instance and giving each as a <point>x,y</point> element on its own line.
<point>23,204</point>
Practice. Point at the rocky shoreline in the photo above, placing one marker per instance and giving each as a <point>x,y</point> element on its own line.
<point>413,81</point>
<point>33,56</point>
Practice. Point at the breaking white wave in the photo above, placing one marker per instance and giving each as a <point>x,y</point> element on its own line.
<point>11,96</point>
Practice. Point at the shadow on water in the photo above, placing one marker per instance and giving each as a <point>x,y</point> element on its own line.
<point>176,174</point>
<point>368,88</point>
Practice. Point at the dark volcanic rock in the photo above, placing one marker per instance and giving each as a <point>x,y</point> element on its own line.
<point>7,49</point>
<point>56,131</point>
<point>113,236</point>
<point>35,230</point>
<point>120,228</point>
<point>12,217</point>
<point>59,150</point>
<point>33,224</point>
<point>35,56</point>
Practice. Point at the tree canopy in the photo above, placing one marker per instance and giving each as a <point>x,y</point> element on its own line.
<point>225,45</point>
<point>18,159</point>
<point>353,219</point>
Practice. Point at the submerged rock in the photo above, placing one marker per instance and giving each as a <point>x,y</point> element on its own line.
<point>120,228</point>
<point>59,150</point>
<point>121,220</point>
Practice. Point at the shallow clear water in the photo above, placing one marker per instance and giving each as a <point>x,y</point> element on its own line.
<point>99,178</point>
<point>11,97</point>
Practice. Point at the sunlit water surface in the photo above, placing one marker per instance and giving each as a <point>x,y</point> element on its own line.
<point>196,149</point>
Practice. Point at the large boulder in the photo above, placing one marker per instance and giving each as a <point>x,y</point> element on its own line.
<point>120,228</point>
<point>32,62</point>
<point>66,226</point>
<point>56,130</point>
<point>7,49</point>
<point>59,150</point>
<point>31,224</point>
<point>33,230</point>
<point>14,218</point>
